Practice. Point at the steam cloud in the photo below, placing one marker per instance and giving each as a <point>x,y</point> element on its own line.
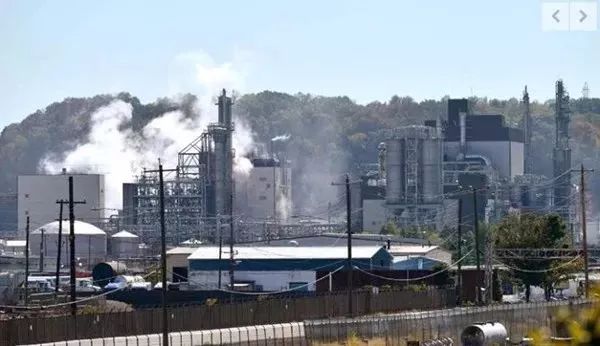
<point>114,149</point>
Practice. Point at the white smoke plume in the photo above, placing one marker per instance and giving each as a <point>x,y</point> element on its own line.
<point>114,149</point>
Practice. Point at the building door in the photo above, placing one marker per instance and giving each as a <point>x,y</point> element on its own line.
<point>180,274</point>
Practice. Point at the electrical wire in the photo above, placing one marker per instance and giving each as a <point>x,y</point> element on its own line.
<point>541,271</point>
<point>419,278</point>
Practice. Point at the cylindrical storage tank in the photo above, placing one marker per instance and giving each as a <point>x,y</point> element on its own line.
<point>90,242</point>
<point>490,333</point>
<point>124,245</point>
<point>432,169</point>
<point>394,159</point>
<point>104,272</point>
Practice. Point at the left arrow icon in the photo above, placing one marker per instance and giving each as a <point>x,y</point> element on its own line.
<point>555,16</point>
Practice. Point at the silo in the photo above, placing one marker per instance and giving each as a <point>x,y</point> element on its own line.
<point>413,165</point>
<point>432,167</point>
<point>394,161</point>
<point>124,245</point>
<point>90,242</point>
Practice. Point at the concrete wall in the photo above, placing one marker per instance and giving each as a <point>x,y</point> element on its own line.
<point>374,214</point>
<point>37,195</point>
<point>269,280</point>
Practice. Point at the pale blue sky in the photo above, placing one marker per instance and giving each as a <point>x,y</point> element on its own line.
<point>367,50</point>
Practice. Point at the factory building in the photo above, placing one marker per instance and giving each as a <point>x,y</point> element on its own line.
<point>90,243</point>
<point>424,170</point>
<point>265,194</point>
<point>37,196</point>
<point>484,138</point>
<point>198,189</point>
<point>278,268</point>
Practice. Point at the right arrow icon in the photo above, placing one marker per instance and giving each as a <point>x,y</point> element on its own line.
<point>583,16</point>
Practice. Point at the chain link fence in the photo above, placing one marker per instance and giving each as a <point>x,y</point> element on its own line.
<point>435,327</point>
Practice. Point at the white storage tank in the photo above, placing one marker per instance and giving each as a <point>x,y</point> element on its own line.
<point>90,243</point>
<point>479,334</point>
<point>124,245</point>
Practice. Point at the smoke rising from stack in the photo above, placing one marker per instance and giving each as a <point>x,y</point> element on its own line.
<point>115,149</point>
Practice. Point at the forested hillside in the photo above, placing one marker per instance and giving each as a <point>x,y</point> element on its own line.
<point>329,135</point>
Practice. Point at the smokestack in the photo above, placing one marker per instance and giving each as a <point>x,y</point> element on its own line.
<point>463,133</point>
<point>221,134</point>
<point>527,132</point>
<point>381,160</point>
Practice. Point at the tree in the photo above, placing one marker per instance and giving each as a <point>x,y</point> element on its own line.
<point>533,231</point>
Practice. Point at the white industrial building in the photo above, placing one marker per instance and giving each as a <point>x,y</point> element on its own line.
<point>124,244</point>
<point>37,196</point>
<point>266,193</point>
<point>278,268</point>
<point>90,243</point>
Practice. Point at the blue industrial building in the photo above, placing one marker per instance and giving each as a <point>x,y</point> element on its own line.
<point>279,268</point>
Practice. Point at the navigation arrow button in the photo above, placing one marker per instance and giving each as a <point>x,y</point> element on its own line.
<point>555,16</point>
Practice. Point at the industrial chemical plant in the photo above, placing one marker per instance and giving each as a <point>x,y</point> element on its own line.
<point>423,170</point>
<point>421,174</point>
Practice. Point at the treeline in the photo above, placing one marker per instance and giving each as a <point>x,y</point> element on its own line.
<point>328,134</point>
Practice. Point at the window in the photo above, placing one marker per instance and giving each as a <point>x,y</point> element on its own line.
<point>26,195</point>
<point>262,198</point>
<point>268,186</point>
<point>262,179</point>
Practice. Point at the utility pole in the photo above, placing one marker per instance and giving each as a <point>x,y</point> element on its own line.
<point>163,258</point>
<point>476,234</point>
<point>350,281</point>
<point>27,262</point>
<point>220,234</point>
<point>489,272</point>
<point>459,250</point>
<point>42,250</point>
<point>231,257</point>
<point>349,230</point>
<point>72,245</point>
<point>584,230</point>
<point>61,203</point>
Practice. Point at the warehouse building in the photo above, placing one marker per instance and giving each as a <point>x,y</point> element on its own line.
<point>278,268</point>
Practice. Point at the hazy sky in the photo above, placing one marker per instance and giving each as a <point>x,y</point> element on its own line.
<point>368,50</point>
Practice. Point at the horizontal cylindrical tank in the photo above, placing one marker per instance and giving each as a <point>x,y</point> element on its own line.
<point>489,333</point>
<point>104,272</point>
